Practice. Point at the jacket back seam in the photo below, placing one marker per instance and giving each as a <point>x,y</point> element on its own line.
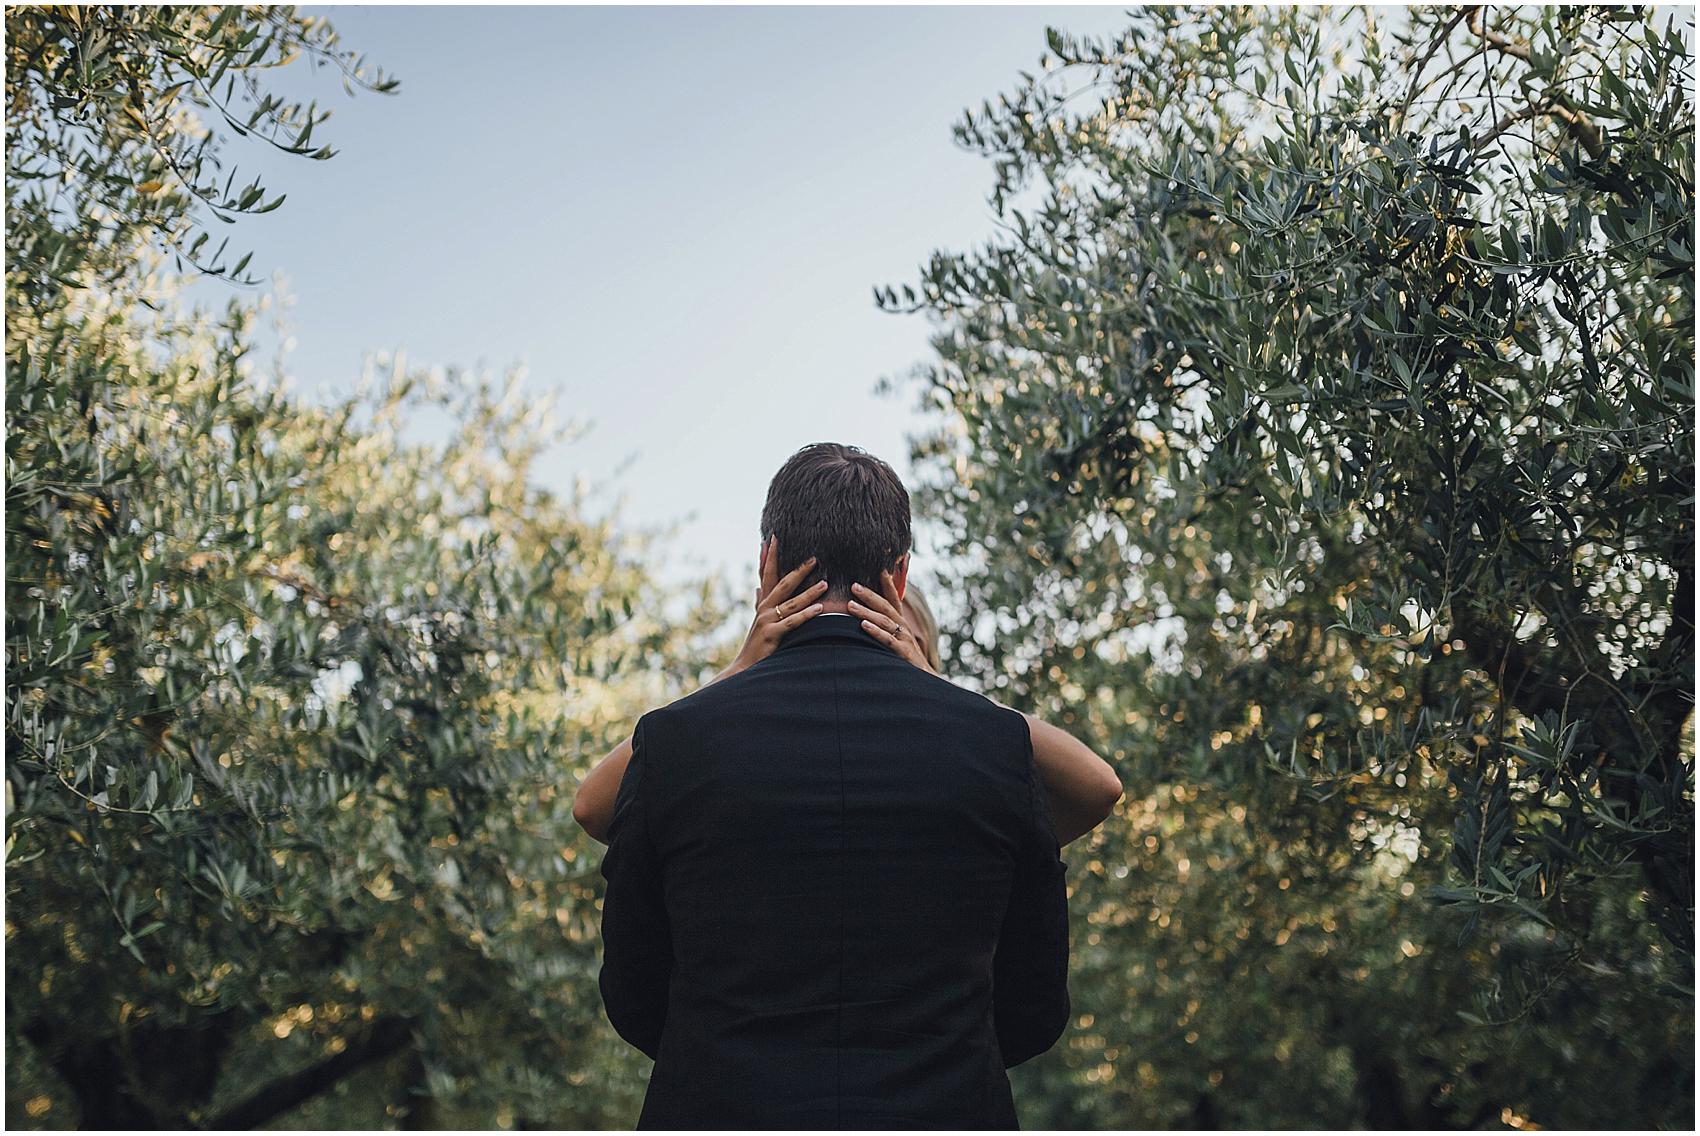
<point>843,885</point>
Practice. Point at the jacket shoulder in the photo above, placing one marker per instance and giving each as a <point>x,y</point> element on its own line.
<point>964,701</point>
<point>681,717</point>
<point>684,714</point>
<point>703,700</point>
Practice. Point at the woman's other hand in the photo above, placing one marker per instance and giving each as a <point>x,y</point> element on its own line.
<point>881,616</point>
<point>777,611</point>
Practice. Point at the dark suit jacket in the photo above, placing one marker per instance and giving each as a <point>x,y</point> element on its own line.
<point>834,897</point>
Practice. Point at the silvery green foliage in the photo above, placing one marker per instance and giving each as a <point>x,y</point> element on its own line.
<point>117,120</point>
<point>1316,434</point>
<point>295,702</point>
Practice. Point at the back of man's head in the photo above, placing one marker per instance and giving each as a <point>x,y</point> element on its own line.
<point>841,505</point>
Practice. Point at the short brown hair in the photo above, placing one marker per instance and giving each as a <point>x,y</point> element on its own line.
<point>843,506</point>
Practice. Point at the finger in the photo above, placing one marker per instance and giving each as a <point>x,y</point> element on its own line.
<point>788,583</point>
<point>873,601</point>
<point>797,602</point>
<point>769,573</point>
<point>885,622</point>
<point>882,635</point>
<point>803,616</point>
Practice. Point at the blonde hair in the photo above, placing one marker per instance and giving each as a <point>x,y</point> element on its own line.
<point>926,624</point>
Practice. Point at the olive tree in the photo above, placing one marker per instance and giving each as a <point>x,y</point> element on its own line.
<point>295,700</point>
<point>1316,435</point>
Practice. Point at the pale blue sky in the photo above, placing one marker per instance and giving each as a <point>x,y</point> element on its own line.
<point>673,217</point>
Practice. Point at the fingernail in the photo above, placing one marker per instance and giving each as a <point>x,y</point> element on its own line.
<point>817,607</point>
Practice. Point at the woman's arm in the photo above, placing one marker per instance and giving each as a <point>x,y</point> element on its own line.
<point>1080,787</point>
<point>593,804</point>
<point>777,612</point>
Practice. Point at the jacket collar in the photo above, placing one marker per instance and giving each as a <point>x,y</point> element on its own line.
<point>829,627</point>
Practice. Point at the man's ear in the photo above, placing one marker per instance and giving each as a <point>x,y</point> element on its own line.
<point>900,575</point>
